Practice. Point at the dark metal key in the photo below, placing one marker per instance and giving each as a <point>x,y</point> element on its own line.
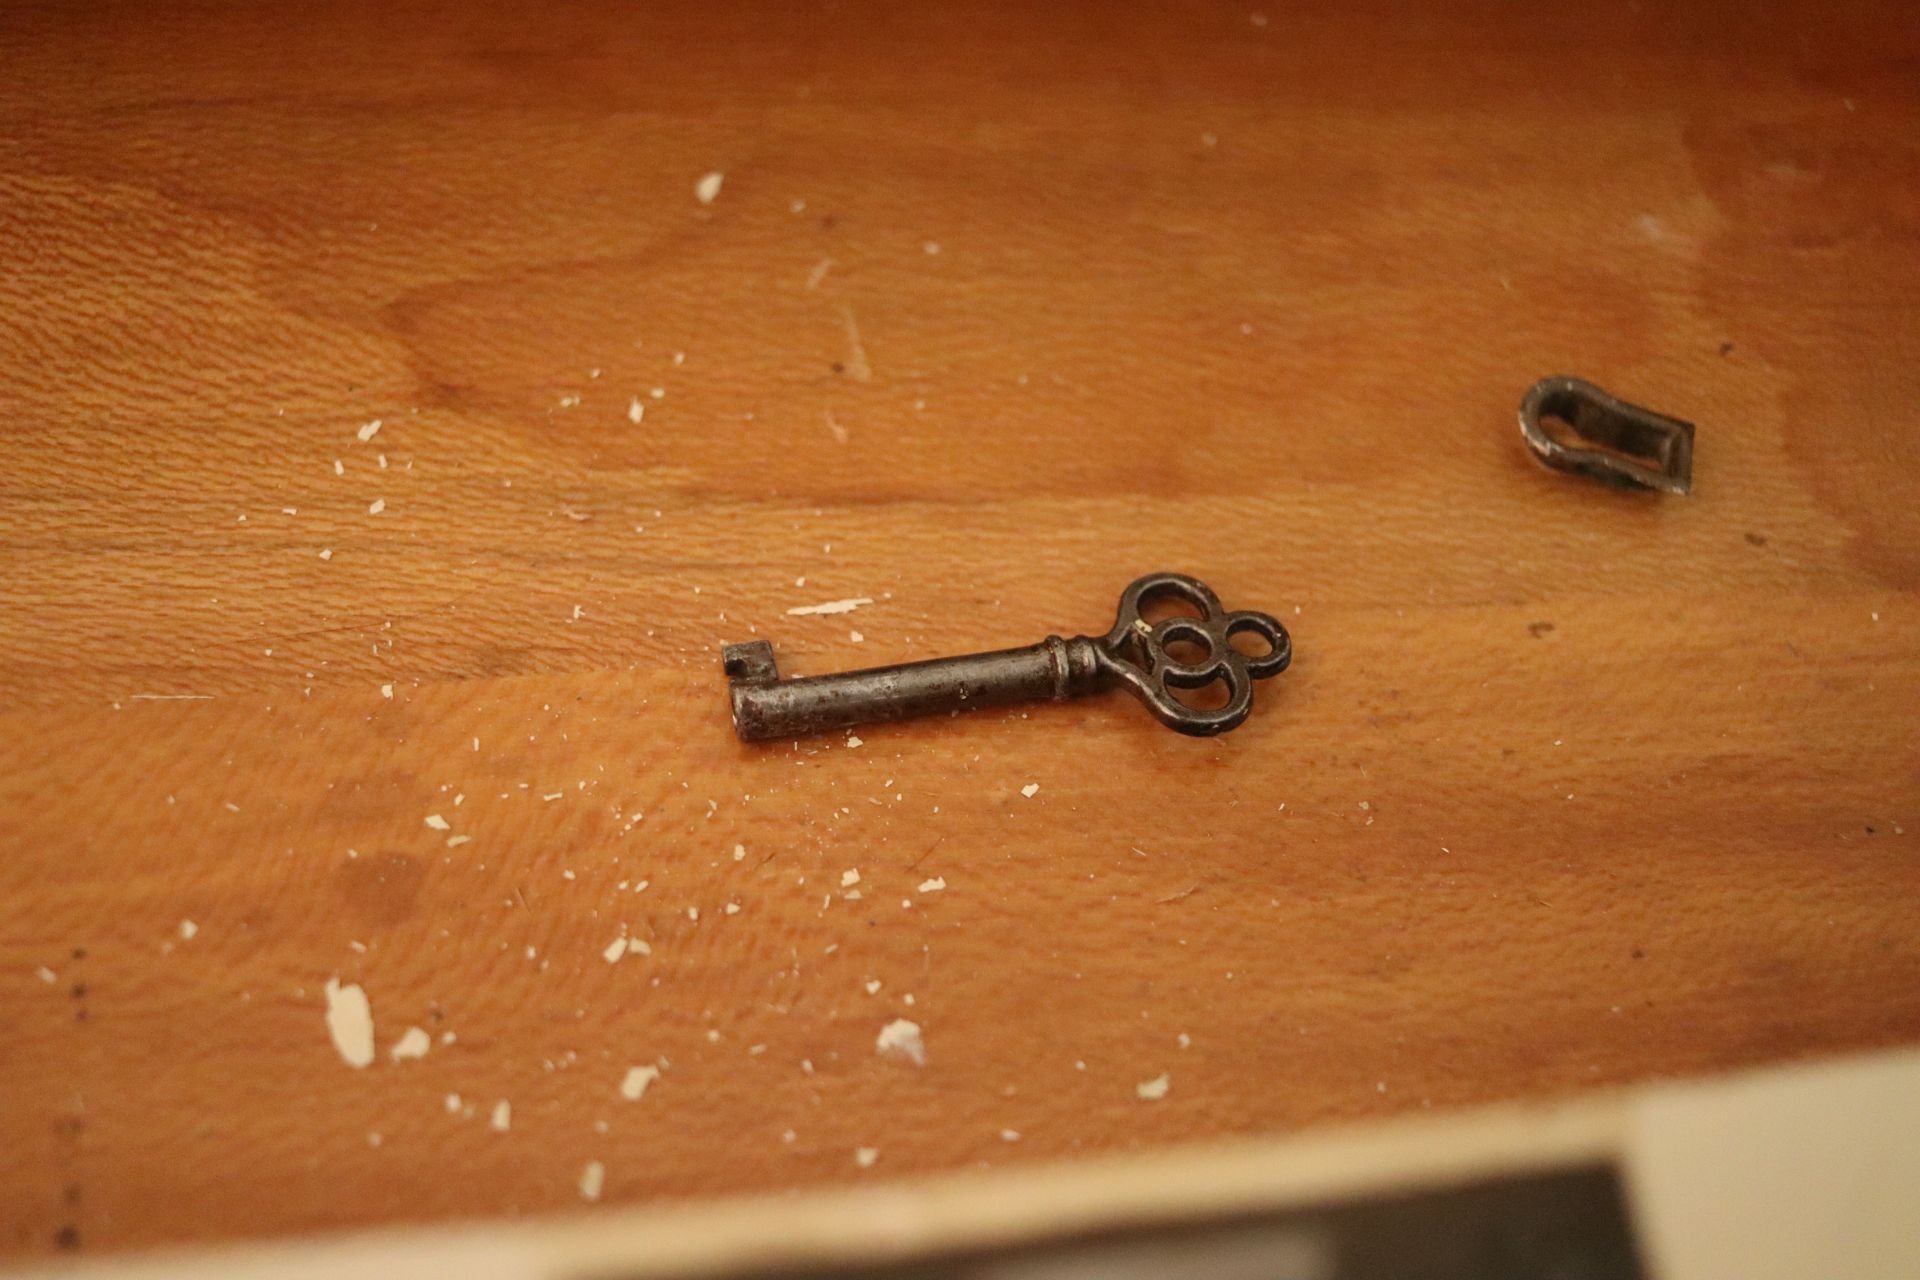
<point>1150,659</point>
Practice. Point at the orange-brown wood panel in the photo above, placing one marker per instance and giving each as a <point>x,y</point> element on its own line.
<point>997,307</point>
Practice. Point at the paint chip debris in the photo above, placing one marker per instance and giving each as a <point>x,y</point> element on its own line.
<point>187,929</point>
<point>635,410</point>
<point>866,1157</point>
<point>707,190</point>
<point>854,741</point>
<point>368,432</point>
<point>438,823</point>
<point>634,1086</point>
<point>350,1022</point>
<point>326,553</point>
<point>413,1044</point>
<point>386,691</point>
<point>849,878</point>
<point>502,1116</point>
<point>375,507</point>
<point>934,885</point>
<point>1155,1089</point>
<point>901,1039</point>
<point>832,606</point>
<point>592,1179</point>
<point>615,949</point>
<point>1031,790</point>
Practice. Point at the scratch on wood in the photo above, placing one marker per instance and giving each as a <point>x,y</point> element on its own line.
<point>857,367</point>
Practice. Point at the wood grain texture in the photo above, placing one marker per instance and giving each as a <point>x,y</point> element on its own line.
<point>1567,787</point>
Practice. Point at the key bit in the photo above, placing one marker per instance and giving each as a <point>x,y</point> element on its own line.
<point>1152,660</point>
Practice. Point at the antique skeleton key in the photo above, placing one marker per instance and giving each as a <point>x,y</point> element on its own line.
<point>1150,659</point>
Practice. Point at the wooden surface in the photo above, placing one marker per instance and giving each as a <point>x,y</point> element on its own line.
<point>1567,787</point>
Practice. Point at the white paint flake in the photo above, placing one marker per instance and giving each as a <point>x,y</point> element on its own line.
<point>367,433</point>
<point>853,741</point>
<point>592,1179</point>
<point>452,1103</point>
<point>454,842</point>
<point>350,1022</point>
<point>856,637</point>
<point>1155,1089</point>
<point>187,929</point>
<point>1009,1135</point>
<point>708,188</point>
<point>901,1039</point>
<point>326,553</point>
<point>46,975</point>
<point>413,1044</point>
<point>1031,790</point>
<point>634,1086</point>
<point>832,606</point>
<point>438,823</point>
<point>502,1116</point>
<point>739,853</point>
<point>375,507</point>
<point>849,878</point>
<point>615,949</point>
<point>934,885</point>
<point>635,410</point>
<point>866,1157</point>
<point>386,691</point>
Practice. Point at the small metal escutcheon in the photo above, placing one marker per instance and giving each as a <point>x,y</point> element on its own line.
<point>1612,440</point>
<point>1133,655</point>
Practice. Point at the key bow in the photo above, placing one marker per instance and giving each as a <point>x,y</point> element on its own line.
<point>1136,652</point>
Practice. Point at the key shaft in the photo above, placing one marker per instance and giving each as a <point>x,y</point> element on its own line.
<point>765,706</point>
